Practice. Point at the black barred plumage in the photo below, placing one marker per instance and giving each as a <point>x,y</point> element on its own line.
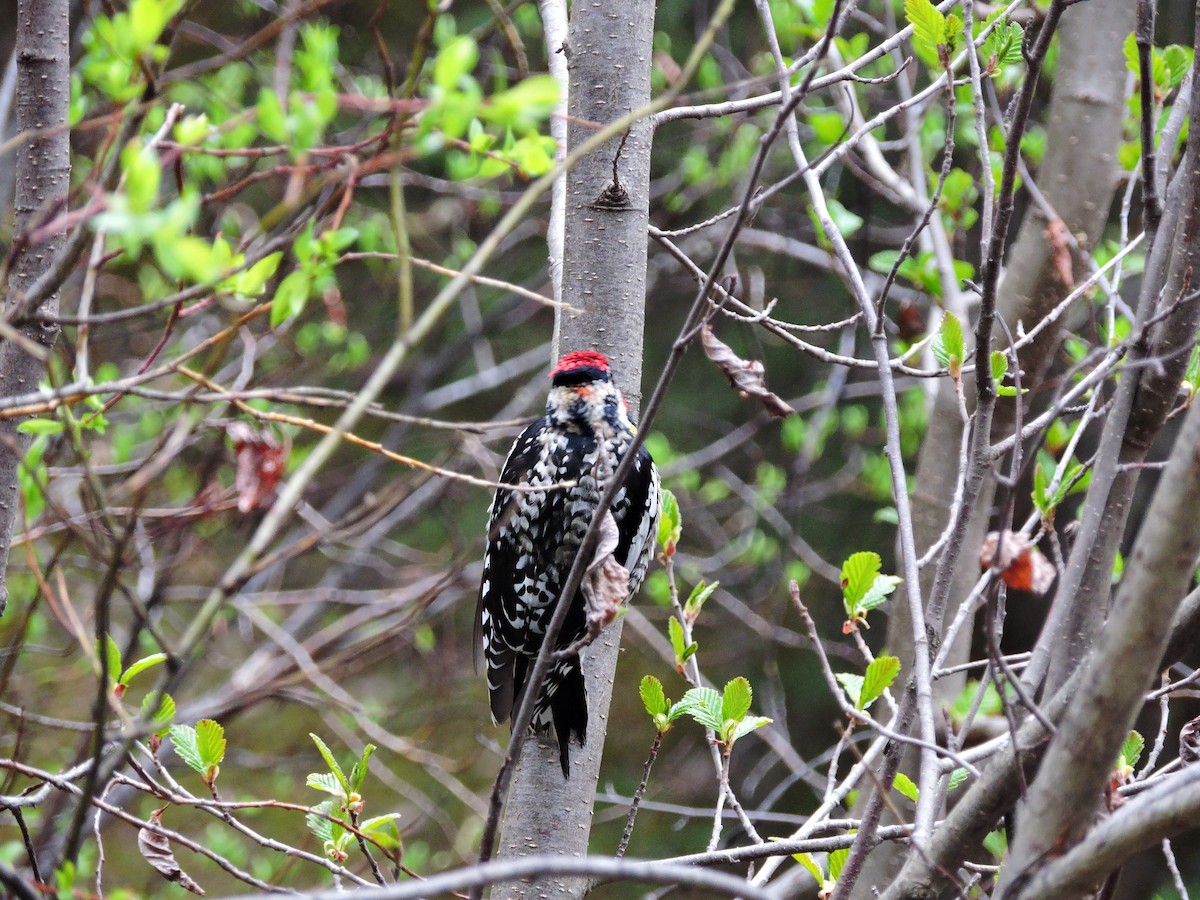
<point>533,537</point>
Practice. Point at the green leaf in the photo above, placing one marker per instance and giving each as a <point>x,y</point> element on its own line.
<point>210,744</point>
<point>837,861</point>
<point>141,665</point>
<point>858,574</point>
<point>881,587</point>
<point>271,118</point>
<point>929,25</point>
<point>735,702</point>
<point>290,298</point>
<point>806,860</point>
<point>695,600</point>
<point>142,172</point>
<point>41,426</point>
<point>879,677</point>
<point>703,705</point>
<point>454,61</point>
<point>1131,749</point>
<point>251,282</point>
<point>111,658</point>
<point>957,777</point>
<point>670,525</point>
<point>327,782</point>
<point>948,347</point>
<point>747,725</point>
<point>383,829</point>
<point>904,785</point>
<point>161,716</point>
<point>359,773</point>
<point>654,698</point>
<point>331,762</point>
<point>853,685</point>
<point>321,826</point>
<point>183,739</point>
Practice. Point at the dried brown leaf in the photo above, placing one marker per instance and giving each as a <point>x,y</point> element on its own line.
<point>156,850</point>
<point>1189,743</point>
<point>1022,565</point>
<point>747,376</point>
<point>605,582</point>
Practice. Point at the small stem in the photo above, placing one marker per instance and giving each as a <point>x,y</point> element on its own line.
<point>641,792</point>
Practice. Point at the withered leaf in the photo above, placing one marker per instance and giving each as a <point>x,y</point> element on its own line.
<point>156,850</point>
<point>260,463</point>
<point>1022,565</point>
<point>747,376</point>
<point>1189,743</point>
<point>605,581</point>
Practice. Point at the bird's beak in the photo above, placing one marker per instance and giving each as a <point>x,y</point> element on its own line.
<point>583,391</point>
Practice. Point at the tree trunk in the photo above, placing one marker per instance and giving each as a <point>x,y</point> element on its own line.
<point>604,276</point>
<point>43,175</point>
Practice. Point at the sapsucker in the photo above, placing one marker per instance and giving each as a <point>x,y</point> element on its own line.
<point>533,538</point>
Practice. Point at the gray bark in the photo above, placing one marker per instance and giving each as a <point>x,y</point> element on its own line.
<point>604,275</point>
<point>43,174</point>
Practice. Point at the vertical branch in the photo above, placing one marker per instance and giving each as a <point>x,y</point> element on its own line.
<point>43,174</point>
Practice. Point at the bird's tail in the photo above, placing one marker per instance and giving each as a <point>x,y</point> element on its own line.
<point>567,696</point>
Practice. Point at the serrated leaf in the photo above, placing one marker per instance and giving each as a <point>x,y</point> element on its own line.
<point>747,725</point>
<point>703,705</point>
<point>330,761</point>
<point>904,785</point>
<point>141,665</point>
<point>879,677</point>
<point>957,777</point>
<point>1131,749</point>
<point>384,830</point>
<point>327,782</point>
<point>853,685</point>
<point>320,826</point>
<point>837,861</point>
<point>210,744</point>
<point>162,716</point>
<point>675,631</point>
<point>881,587</point>
<point>929,25</point>
<point>670,525</point>
<point>806,860</point>
<point>735,701</point>
<point>948,347</point>
<point>654,698</point>
<point>999,365</point>
<point>359,773</point>
<point>858,574</point>
<point>183,739</point>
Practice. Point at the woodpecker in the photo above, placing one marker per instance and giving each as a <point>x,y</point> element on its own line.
<point>533,537</point>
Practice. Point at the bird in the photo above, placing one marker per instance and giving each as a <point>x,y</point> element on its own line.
<point>533,538</point>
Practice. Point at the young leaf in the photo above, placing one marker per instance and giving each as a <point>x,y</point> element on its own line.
<point>929,25</point>
<point>837,860</point>
<point>858,574</point>
<point>695,600</point>
<point>948,347</point>
<point>318,824</point>
<point>359,773</point>
<point>183,739</point>
<point>904,785</point>
<point>703,705</point>
<point>879,677</point>
<point>735,702</point>
<point>41,426</point>
<point>653,697</point>
<point>670,525</point>
<point>210,744</point>
<point>162,716</point>
<point>110,658</point>
<point>332,763</point>
<point>141,665</point>
<point>853,685</point>
<point>957,777</point>
<point>806,860</point>
<point>327,782</point>
<point>1131,749</point>
<point>881,587</point>
<point>747,725</point>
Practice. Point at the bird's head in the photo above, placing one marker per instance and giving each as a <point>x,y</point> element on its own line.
<point>582,393</point>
